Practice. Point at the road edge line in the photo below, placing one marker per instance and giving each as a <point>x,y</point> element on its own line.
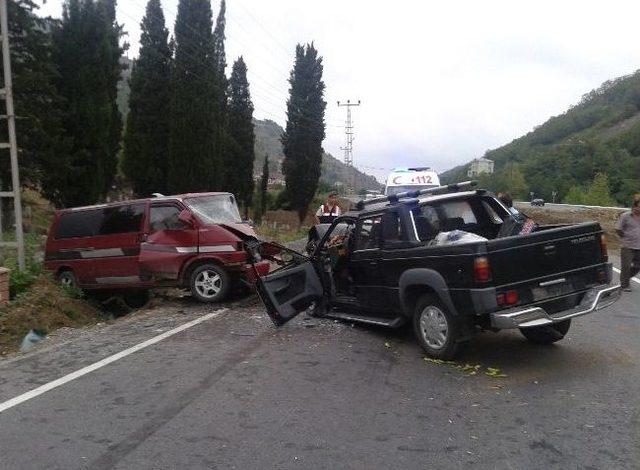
<point>633,278</point>
<point>4,406</point>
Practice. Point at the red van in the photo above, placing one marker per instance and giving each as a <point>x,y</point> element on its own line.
<point>191,240</point>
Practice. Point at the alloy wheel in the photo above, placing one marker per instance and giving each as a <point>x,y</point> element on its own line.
<point>434,327</point>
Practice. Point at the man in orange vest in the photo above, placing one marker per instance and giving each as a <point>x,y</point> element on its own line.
<point>328,211</point>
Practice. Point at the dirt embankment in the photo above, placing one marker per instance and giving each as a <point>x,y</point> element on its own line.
<point>44,308</point>
<point>572,215</point>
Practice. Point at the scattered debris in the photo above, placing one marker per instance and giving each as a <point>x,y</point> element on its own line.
<point>468,369</point>
<point>31,339</point>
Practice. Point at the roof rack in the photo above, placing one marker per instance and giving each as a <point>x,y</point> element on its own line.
<point>394,198</point>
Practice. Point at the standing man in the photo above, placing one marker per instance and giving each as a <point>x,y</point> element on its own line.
<point>628,227</point>
<point>329,210</point>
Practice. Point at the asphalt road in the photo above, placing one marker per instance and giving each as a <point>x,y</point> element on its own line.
<point>234,392</point>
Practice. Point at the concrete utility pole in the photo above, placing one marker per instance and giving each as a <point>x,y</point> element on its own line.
<point>12,146</point>
<point>348,130</point>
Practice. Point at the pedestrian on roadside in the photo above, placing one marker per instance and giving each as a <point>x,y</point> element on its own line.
<point>328,211</point>
<point>628,228</point>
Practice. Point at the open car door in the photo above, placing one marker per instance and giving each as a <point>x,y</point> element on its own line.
<point>292,287</point>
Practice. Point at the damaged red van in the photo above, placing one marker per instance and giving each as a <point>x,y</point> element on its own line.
<point>196,241</point>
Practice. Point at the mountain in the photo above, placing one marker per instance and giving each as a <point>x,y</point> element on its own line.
<point>333,170</point>
<point>600,134</point>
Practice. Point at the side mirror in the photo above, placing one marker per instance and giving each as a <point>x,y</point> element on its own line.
<point>186,218</point>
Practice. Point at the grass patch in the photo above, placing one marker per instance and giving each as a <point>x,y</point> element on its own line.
<point>45,307</point>
<point>280,234</point>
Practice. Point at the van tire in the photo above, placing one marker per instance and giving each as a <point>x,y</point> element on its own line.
<point>135,299</point>
<point>67,278</point>
<point>546,334</point>
<point>209,283</point>
<point>429,316</point>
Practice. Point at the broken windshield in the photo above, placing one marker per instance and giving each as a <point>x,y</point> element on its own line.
<point>217,209</point>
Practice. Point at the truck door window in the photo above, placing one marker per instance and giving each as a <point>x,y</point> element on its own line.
<point>165,218</point>
<point>369,233</point>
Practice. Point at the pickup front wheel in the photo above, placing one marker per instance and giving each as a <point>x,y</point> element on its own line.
<point>437,330</point>
<point>546,334</point>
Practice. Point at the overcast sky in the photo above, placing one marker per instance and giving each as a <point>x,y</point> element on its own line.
<point>440,82</point>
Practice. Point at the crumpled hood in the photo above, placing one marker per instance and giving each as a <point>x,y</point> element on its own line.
<point>243,231</point>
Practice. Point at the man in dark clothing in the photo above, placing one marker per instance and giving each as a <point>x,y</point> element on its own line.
<point>628,227</point>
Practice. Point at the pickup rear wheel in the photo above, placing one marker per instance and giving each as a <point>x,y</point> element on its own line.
<point>546,334</point>
<point>437,330</point>
<point>67,278</point>
<point>209,283</point>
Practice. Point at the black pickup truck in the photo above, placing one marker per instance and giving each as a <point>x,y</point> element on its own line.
<point>452,261</point>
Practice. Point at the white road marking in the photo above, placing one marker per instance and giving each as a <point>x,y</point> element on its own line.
<point>106,361</point>
<point>634,279</point>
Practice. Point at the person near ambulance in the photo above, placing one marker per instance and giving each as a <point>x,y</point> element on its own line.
<point>328,211</point>
<point>628,228</point>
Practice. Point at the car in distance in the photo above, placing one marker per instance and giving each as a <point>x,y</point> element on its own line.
<point>450,261</point>
<point>189,240</point>
<point>538,202</point>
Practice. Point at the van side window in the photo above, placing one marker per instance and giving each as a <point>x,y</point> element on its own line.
<point>79,224</point>
<point>122,219</point>
<point>369,233</point>
<point>165,218</point>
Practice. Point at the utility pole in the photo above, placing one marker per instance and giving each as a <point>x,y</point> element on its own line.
<point>348,131</point>
<point>12,146</point>
<point>349,138</point>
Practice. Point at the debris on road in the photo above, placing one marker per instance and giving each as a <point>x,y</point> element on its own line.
<point>31,339</point>
<point>467,368</point>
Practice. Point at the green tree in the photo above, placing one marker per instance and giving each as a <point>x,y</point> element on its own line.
<point>87,54</point>
<point>305,130</point>
<point>599,193</point>
<point>240,153</point>
<point>194,146</point>
<point>146,141</point>
<point>576,195</point>
<point>36,99</point>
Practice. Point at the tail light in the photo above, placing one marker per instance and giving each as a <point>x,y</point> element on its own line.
<point>508,298</point>
<point>482,269</point>
<point>603,247</point>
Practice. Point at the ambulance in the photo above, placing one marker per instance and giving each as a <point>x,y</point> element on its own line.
<point>410,179</point>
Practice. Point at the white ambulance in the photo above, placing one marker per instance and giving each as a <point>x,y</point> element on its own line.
<point>411,179</point>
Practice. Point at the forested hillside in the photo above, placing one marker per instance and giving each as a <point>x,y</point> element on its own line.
<point>598,136</point>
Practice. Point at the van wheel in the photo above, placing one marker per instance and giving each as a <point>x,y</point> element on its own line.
<point>67,278</point>
<point>136,298</point>
<point>209,283</point>
<point>437,330</point>
<point>546,334</point>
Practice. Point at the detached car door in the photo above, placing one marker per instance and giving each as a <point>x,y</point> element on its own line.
<point>290,289</point>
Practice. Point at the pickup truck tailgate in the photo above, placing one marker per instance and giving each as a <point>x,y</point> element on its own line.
<point>545,253</point>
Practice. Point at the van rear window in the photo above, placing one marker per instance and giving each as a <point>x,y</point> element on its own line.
<point>107,221</point>
<point>79,224</point>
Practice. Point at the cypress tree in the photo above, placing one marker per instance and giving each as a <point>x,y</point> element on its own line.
<point>36,99</point>
<point>194,153</point>
<point>240,154</point>
<point>264,184</point>
<point>146,141</point>
<point>220,90</point>
<point>87,54</point>
<point>305,130</point>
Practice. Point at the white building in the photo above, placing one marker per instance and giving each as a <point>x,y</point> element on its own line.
<point>480,166</point>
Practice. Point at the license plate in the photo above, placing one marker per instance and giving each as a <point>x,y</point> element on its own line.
<point>540,293</point>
